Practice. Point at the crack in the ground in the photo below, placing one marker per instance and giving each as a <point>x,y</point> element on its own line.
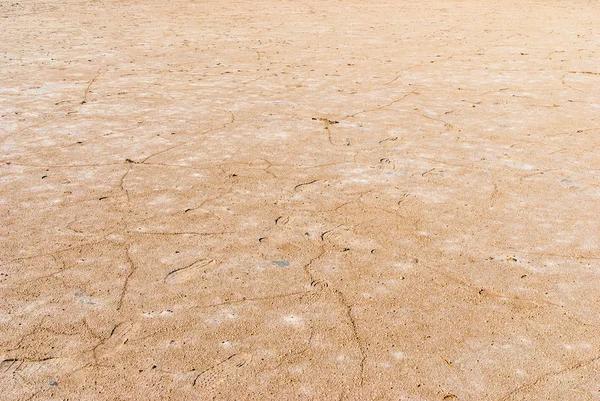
<point>401,98</point>
<point>356,336</point>
<point>125,287</point>
<point>305,183</point>
<point>255,299</point>
<point>167,233</point>
<point>89,86</point>
<point>301,352</point>
<point>536,381</point>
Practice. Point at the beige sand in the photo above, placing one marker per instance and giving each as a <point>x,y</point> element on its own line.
<point>324,200</point>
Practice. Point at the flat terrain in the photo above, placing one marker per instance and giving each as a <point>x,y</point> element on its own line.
<point>326,200</point>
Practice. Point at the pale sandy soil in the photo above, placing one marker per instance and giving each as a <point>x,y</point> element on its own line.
<point>324,200</point>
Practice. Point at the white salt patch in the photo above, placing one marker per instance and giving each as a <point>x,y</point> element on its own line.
<point>292,319</point>
<point>398,355</point>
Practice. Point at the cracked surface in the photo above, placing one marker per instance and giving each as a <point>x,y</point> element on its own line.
<point>313,200</point>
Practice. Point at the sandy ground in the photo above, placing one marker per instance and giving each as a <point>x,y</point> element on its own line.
<point>325,200</point>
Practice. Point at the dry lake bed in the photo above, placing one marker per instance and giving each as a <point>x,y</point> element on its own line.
<point>314,200</point>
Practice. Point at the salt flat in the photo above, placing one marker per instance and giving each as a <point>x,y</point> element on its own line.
<point>324,200</point>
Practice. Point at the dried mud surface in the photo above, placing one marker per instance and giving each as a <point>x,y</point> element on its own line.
<point>310,200</point>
